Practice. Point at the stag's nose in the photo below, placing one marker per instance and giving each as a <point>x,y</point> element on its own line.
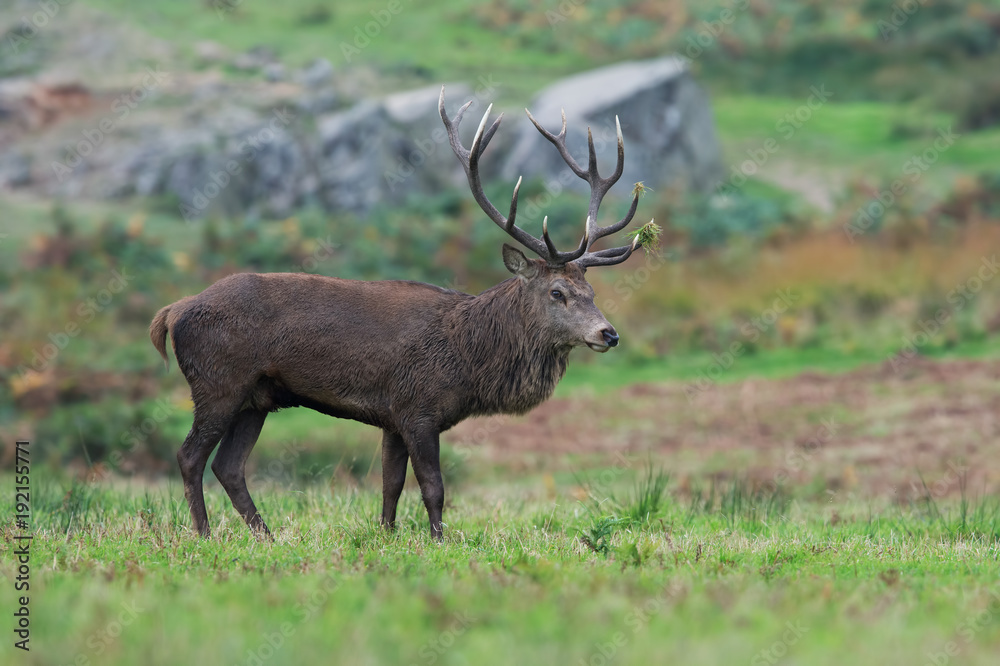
<point>610,337</point>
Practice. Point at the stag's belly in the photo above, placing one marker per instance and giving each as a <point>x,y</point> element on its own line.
<point>271,394</point>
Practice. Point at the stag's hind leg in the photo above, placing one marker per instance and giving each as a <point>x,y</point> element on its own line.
<point>230,465</point>
<point>192,458</point>
<point>394,457</point>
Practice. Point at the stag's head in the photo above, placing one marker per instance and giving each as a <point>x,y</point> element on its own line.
<point>555,282</point>
<point>561,299</point>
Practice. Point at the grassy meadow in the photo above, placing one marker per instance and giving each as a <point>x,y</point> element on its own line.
<point>635,572</point>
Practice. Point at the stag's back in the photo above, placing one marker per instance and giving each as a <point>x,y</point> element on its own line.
<point>295,337</point>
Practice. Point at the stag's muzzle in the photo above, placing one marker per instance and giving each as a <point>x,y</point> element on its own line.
<point>609,339</point>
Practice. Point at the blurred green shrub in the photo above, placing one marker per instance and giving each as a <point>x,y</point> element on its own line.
<point>713,221</point>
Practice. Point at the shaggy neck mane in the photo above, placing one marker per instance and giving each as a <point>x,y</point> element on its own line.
<point>511,366</point>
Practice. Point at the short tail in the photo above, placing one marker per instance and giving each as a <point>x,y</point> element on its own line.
<point>158,333</point>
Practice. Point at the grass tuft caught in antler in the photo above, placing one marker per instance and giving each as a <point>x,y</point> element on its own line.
<point>649,236</point>
<point>640,189</point>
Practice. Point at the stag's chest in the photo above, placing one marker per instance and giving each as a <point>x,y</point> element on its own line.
<point>527,384</point>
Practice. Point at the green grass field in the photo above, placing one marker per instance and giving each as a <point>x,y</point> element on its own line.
<point>525,575</point>
<point>845,140</point>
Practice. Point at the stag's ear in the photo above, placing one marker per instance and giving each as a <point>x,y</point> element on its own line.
<point>518,264</point>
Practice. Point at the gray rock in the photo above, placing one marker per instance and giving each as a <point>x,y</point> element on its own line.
<point>422,157</point>
<point>323,101</point>
<point>226,157</point>
<point>665,118</point>
<point>275,71</point>
<point>255,58</point>
<point>353,154</point>
<point>210,52</point>
<point>15,170</point>
<point>317,73</point>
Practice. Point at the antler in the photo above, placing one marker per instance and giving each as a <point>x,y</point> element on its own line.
<point>470,162</point>
<point>544,248</point>
<point>598,188</point>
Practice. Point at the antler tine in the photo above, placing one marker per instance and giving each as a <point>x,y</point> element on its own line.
<point>581,249</point>
<point>489,134</point>
<point>513,206</point>
<point>560,143</point>
<point>599,187</point>
<point>461,110</point>
<point>591,157</point>
<point>603,185</point>
<point>601,232</point>
<point>545,236</point>
<point>612,251</point>
<point>620,165</point>
<point>609,257</point>
<point>477,139</point>
<point>449,125</point>
<point>470,162</point>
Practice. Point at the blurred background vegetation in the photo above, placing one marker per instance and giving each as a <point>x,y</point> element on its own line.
<point>85,396</point>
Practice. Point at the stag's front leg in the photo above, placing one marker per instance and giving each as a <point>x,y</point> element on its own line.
<point>424,451</point>
<point>394,457</point>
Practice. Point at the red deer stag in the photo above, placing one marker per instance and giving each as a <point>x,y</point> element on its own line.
<point>410,358</point>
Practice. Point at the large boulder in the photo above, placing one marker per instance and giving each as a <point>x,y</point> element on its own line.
<point>374,152</point>
<point>240,162</point>
<point>421,160</point>
<point>223,155</point>
<point>665,117</point>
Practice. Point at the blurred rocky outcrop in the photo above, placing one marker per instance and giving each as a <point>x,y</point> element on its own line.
<point>297,138</point>
<point>373,152</point>
<point>665,117</point>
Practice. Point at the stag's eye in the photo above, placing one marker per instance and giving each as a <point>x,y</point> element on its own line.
<point>557,295</point>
